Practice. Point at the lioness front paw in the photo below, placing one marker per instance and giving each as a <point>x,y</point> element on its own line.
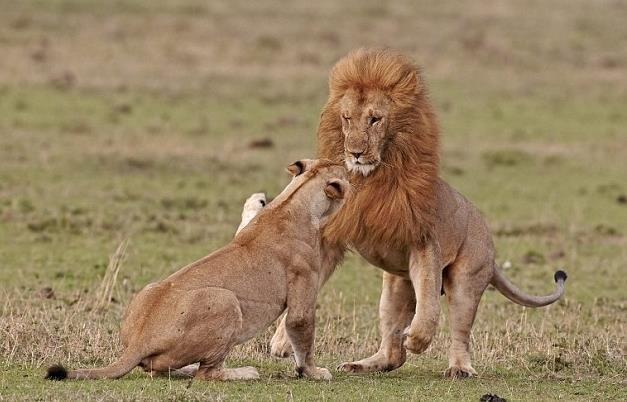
<point>315,373</point>
<point>417,341</point>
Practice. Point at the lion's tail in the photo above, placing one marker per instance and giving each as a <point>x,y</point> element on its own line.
<point>126,363</point>
<point>516,295</point>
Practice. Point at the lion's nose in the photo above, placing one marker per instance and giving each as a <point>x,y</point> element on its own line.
<point>357,154</point>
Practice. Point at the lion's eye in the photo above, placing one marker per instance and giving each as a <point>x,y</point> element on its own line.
<point>372,120</point>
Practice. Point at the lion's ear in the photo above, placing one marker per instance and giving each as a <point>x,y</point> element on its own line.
<point>296,168</point>
<point>335,189</point>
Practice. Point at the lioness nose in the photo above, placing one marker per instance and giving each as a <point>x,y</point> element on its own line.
<point>356,154</point>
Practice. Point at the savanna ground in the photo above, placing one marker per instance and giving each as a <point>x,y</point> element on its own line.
<point>147,123</point>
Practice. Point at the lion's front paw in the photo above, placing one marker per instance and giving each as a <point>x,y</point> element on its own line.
<point>315,373</point>
<point>457,372</point>
<point>280,345</point>
<point>349,367</point>
<point>378,362</point>
<point>417,341</point>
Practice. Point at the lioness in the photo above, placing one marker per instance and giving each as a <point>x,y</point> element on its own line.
<point>402,217</point>
<point>199,313</point>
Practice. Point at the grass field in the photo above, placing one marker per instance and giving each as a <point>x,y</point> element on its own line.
<point>148,123</point>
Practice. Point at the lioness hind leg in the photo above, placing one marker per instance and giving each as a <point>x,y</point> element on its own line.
<point>463,294</point>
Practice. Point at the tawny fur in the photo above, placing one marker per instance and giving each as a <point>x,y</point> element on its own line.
<point>199,313</point>
<point>402,217</point>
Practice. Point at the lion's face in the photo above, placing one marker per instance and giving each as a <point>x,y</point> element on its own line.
<point>364,124</point>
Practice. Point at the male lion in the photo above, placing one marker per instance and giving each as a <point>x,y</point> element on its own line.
<point>402,217</point>
<point>198,314</point>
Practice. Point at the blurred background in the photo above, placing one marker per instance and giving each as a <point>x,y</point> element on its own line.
<point>152,121</point>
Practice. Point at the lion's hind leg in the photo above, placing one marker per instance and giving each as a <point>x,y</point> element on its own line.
<point>463,286</point>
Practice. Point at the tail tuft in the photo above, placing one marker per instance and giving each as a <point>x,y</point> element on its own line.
<point>560,276</point>
<point>56,373</point>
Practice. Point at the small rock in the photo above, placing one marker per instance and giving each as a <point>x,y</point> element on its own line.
<point>621,199</point>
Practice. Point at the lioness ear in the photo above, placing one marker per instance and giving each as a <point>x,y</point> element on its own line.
<point>334,189</point>
<point>296,168</point>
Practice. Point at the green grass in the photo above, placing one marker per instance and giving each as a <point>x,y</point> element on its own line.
<point>406,383</point>
<point>134,119</point>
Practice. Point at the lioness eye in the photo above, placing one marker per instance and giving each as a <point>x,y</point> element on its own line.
<point>372,120</point>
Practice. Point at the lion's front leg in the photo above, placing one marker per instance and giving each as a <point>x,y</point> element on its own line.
<point>396,309</point>
<point>425,272</point>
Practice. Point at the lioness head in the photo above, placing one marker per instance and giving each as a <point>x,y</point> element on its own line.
<point>374,97</point>
<point>320,184</point>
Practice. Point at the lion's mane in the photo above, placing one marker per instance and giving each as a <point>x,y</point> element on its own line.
<point>395,204</point>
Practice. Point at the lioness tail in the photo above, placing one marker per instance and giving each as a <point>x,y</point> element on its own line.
<point>115,370</point>
<point>516,295</point>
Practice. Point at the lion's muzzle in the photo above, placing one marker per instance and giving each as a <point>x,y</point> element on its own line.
<point>360,164</point>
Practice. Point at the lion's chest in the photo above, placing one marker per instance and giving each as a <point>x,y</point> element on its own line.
<point>393,261</point>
